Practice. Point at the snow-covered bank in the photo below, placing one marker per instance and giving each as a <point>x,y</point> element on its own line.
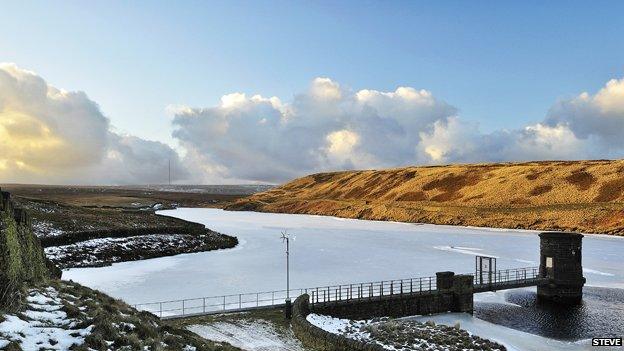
<point>513,339</point>
<point>404,334</point>
<point>43,324</point>
<point>66,316</point>
<point>105,251</point>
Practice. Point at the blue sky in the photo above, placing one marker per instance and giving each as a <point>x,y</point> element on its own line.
<point>500,63</point>
<point>499,76</point>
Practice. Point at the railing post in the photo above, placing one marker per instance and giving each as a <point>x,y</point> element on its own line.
<point>224,302</point>
<point>204,305</point>
<point>240,301</point>
<point>381,289</point>
<point>257,299</point>
<point>183,307</point>
<point>411,285</point>
<point>161,310</point>
<point>272,298</point>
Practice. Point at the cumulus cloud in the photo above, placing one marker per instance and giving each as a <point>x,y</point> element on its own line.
<point>329,127</point>
<point>49,135</point>
<point>53,136</point>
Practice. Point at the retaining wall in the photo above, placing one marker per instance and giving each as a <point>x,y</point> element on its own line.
<point>454,294</point>
<point>318,339</point>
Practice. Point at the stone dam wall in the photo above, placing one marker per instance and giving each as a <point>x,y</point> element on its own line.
<point>454,294</point>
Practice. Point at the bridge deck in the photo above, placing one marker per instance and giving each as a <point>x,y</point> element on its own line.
<point>511,284</point>
<point>499,280</point>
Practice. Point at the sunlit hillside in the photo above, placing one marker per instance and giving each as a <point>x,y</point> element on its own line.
<point>585,196</point>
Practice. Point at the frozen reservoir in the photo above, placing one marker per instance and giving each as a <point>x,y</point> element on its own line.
<point>329,251</point>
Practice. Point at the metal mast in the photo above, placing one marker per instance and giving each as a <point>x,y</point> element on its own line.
<point>287,240</point>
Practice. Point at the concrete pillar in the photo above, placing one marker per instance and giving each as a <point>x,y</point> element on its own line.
<point>561,269</point>
<point>463,292</point>
<point>444,280</point>
<point>288,309</point>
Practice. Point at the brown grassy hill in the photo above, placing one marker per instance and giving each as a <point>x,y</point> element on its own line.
<point>586,196</point>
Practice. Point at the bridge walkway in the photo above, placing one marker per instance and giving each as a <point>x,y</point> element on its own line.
<point>183,308</point>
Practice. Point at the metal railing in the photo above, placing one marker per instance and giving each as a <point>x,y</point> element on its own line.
<point>216,304</point>
<point>507,276</point>
<point>372,289</point>
<point>331,293</point>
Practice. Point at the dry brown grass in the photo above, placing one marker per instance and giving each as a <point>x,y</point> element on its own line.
<point>585,196</point>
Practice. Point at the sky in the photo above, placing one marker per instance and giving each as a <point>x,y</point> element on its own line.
<point>488,81</point>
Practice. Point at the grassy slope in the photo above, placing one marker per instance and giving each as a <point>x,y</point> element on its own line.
<point>585,196</point>
<point>114,325</point>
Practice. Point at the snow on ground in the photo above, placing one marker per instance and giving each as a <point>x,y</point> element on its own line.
<point>513,340</point>
<point>255,335</point>
<point>46,229</point>
<point>340,326</point>
<point>42,325</point>
<point>96,251</point>
<point>397,334</point>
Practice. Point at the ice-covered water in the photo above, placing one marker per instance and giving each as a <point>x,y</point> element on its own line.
<point>329,250</point>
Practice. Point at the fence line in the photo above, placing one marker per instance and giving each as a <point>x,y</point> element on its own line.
<point>343,292</point>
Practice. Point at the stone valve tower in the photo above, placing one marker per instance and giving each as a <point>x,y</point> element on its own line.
<point>561,269</point>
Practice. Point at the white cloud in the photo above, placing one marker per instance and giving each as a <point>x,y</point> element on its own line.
<point>325,128</point>
<point>54,136</point>
<point>600,116</point>
<point>329,128</point>
<point>48,135</point>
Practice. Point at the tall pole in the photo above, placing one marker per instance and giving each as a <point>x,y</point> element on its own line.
<point>288,306</point>
<point>169,171</point>
<point>287,269</point>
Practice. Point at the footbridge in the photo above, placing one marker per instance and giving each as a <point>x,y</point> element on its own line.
<point>350,293</point>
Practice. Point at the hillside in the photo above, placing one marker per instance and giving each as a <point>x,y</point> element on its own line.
<point>22,261</point>
<point>40,312</point>
<point>586,196</point>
